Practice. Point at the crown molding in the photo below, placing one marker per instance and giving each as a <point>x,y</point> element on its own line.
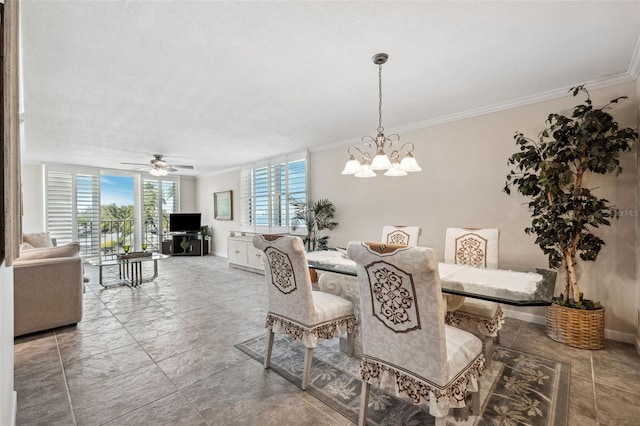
<point>501,106</point>
<point>634,65</point>
<point>218,172</point>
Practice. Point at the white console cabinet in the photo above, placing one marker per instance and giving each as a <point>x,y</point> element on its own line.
<point>242,254</point>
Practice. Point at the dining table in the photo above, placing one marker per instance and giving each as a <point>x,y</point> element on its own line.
<point>510,285</point>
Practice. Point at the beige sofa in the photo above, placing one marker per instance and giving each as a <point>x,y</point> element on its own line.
<point>48,288</point>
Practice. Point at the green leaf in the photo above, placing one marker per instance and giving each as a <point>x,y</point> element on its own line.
<point>562,209</point>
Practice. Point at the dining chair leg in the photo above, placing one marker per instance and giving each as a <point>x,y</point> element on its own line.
<point>351,338</point>
<point>364,403</point>
<point>441,421</point>
<point>488,350</point>
<point>308,356</point>
<point>497,340</point>
<point>475,401</point>
<point>267,355</point>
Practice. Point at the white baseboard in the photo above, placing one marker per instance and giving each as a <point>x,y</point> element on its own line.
<point>523,316</point>
<point>220,254</point>
<point>14,409</point>
<point>619,336</point>
<point>540,319</point>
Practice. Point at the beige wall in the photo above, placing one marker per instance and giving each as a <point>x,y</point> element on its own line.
<point>188,197</point>
<point>205,187</point>
<point>33,219</point>
<point>464,169</point>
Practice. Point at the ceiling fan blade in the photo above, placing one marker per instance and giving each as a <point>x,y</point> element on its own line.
<point>181,166</point>
<point>136,164</point>
<point>170,169</point>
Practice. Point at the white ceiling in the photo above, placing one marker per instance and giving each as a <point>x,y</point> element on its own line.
<point>218,84</point>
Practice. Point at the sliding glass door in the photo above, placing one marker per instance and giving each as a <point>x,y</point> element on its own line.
<point>160,199</point>
<point>116,213</point>
<point>105,211</point>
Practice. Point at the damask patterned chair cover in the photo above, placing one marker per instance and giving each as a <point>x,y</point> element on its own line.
<point>294,308</point>
<point>403,235</point>
<point>479,248</point>
<point>406,344</point>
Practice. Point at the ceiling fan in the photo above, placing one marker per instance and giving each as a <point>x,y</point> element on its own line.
<point>160,167</point>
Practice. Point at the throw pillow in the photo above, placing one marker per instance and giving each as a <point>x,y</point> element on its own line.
<point>66,250</point>
<point>38,239</point>
<point>26,246</point>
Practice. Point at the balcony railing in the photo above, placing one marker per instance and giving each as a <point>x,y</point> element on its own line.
<point>111,235</point>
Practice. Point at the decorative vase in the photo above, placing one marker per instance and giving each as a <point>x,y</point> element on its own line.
<point>579,328</point>
<point>313,275</point>
<point>184,244</point>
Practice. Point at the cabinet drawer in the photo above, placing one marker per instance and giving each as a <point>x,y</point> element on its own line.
<point>254,258</point>
<point>237,252</point>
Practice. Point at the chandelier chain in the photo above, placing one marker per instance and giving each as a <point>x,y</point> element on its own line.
<point>380,128</point>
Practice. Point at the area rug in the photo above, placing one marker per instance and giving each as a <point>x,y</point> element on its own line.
<point>518,388</point>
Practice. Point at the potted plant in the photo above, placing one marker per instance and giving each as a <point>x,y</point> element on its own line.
<point>207,232</point>
<point>317,217</point>
<point>551,172</point>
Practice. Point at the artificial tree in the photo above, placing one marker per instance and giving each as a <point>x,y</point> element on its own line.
<point>552,173</point>
<point>317,217</point>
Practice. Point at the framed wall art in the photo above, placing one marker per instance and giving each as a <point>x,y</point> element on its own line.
<point>223,205</point>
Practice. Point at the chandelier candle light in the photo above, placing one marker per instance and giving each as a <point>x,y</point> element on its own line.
<point>394,163</point>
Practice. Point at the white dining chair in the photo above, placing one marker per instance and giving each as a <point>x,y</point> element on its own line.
<point>478,248</point>
<point>407,347</point>
<point>400,234</point>
<point>294,308</point>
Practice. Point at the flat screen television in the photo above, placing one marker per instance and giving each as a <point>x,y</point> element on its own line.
<point>184,222</point>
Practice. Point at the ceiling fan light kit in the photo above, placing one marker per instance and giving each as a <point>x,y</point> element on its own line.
<point>158,171</point>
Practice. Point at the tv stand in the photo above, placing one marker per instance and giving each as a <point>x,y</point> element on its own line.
<point>186,244</point>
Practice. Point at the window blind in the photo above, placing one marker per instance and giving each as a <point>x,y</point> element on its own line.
<point>59,199</point>
<point>160,199</point>
<point>88,213</point>
<point>152,228</point>
<point>169,201</point>
<point>73,208</point>
<point>267,189</point>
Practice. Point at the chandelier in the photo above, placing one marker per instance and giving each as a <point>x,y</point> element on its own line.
<point>398,162</point>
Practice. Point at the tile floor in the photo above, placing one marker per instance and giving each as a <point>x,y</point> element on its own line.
<point>163,354</point>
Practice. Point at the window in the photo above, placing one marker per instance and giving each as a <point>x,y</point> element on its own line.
<point>160,199</point>
<point>88,213</point>
<point>117,214</point>
<point>74,212</point>
<point>73,208</point>
<point>266,191</point>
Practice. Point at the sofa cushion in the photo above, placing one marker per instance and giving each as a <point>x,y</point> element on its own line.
<point>65,250</point>
<point>38,239</point>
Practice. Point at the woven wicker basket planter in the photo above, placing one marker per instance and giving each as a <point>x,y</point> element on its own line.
<point>579,328</point>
